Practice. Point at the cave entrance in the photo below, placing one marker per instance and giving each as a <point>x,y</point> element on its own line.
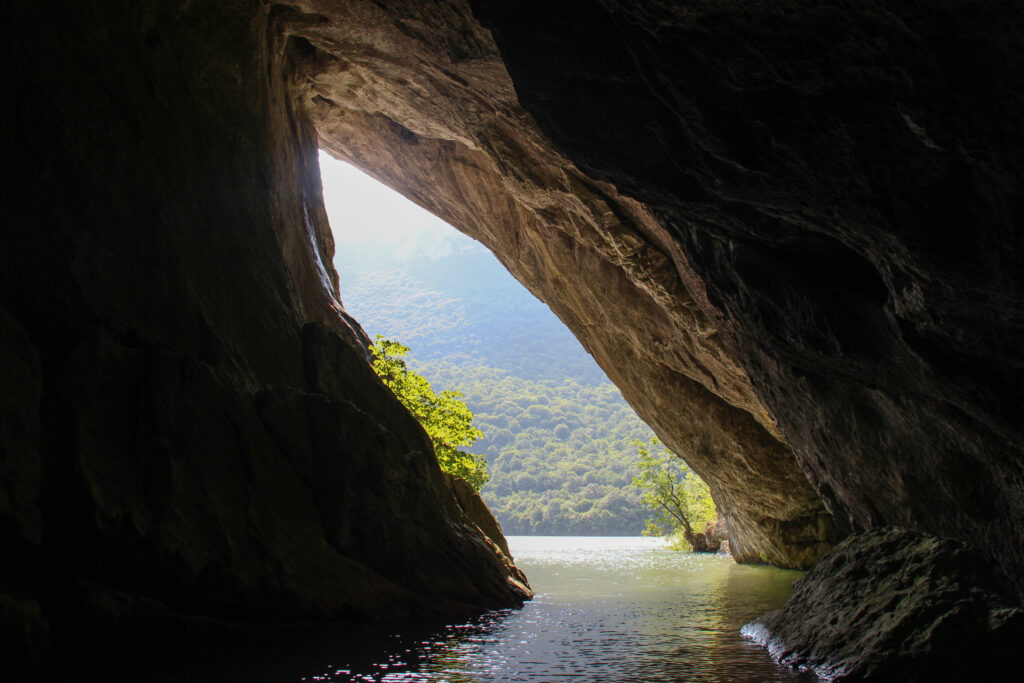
<point>558,436</point>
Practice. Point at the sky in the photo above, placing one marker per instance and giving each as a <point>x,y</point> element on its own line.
<point>366,214</point>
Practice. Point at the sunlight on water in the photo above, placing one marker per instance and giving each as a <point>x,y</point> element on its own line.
<point>607,609</point>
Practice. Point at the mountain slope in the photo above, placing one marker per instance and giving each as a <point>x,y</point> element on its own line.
<point>558,435</point>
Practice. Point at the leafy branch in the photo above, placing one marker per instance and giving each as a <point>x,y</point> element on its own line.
<point>445,417</point>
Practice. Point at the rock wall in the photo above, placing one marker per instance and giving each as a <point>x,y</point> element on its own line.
<point>790,233</point>
<point>845,183</point>
<point>189,422</point>
<point>895,605</point>
<point>417,95</point>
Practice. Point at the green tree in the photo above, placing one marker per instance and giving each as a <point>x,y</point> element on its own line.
<point>445,416</point>
<point>679,499</point>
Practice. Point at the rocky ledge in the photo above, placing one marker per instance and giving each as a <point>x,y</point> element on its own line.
<point>896,605</point>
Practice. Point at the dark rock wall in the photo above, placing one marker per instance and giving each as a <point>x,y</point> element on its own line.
<point>188,417</point>
<point>896,605</point>
<point>789,232</point>
<point>846,181</point>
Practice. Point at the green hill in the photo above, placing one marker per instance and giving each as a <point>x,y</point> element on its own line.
<point>558,435</point>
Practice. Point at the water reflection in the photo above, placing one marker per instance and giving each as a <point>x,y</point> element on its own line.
<point>445,653</point>
<point>606,610</point>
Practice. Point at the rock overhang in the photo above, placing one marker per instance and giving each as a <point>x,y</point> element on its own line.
<point>445,127</point>
<point>690,189</point>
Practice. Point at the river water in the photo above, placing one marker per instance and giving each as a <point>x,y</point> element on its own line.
<point>607,609</point>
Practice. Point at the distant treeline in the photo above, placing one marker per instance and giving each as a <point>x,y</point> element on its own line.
<point>560,454</point>
<point>557,434</point>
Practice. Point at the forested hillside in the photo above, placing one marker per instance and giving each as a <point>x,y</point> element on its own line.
<point>460,305</point>
<point>560,453</point>
<point>558,435</point>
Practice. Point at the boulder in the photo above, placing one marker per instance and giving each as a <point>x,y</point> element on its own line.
<point>896,605</point>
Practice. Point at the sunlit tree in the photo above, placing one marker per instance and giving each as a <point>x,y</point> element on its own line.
<point>445,416</point>
<point>679,500</point>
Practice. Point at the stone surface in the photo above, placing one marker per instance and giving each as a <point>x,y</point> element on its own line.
<point>841,187</point>
<point>896,605</point>
<point>479,514</point>
<point>715,534</point>
<point>416,94</point>
<point>789,232</point>
<point>190,425</point>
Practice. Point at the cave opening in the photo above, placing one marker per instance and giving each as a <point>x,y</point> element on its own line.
<point>561,444</point>
<point>558,437</point>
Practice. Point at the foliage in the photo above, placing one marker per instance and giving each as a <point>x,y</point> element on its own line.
<point>446,418</point>
<point>679,500</point>
<point>558,433</point>
<point>559,453</point>
<point>463,304</point>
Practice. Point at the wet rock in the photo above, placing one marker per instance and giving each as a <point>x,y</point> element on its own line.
<point>897,605</point>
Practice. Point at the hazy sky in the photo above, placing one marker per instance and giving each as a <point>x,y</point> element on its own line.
<point>368,214</point>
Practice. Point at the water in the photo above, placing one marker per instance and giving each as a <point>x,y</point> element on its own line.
<point>607,609</point>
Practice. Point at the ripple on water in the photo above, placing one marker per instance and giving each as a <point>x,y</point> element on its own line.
<point>607,609</point>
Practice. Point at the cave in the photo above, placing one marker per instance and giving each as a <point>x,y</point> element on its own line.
<point>790,234</point>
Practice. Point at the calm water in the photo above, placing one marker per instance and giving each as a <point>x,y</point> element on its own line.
<point>607,609</point>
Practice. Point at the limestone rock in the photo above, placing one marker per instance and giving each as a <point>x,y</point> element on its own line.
<point>896,605</point>
<point>189,419</point>
<point>789,232</point>
<point>417,95</point>
<point>479,514</point>
<point>839,188</point>
<point>716,533</point>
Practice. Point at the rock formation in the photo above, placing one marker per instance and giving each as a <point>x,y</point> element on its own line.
<point>896,605</point>
<point>190,425</point>
<point>417,95</point>
<point>843,185</point>
<point>789,232</point>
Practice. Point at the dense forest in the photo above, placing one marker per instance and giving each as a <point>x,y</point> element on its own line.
<point>558,436</point>
<point>560,454</point>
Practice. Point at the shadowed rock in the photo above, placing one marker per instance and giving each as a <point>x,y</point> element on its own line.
<point>896,605</point>
<point>190,426</point>
<point>789,232</point>
<point>841,190</point>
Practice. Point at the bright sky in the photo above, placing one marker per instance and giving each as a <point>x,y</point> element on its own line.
<point>363,211</point>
